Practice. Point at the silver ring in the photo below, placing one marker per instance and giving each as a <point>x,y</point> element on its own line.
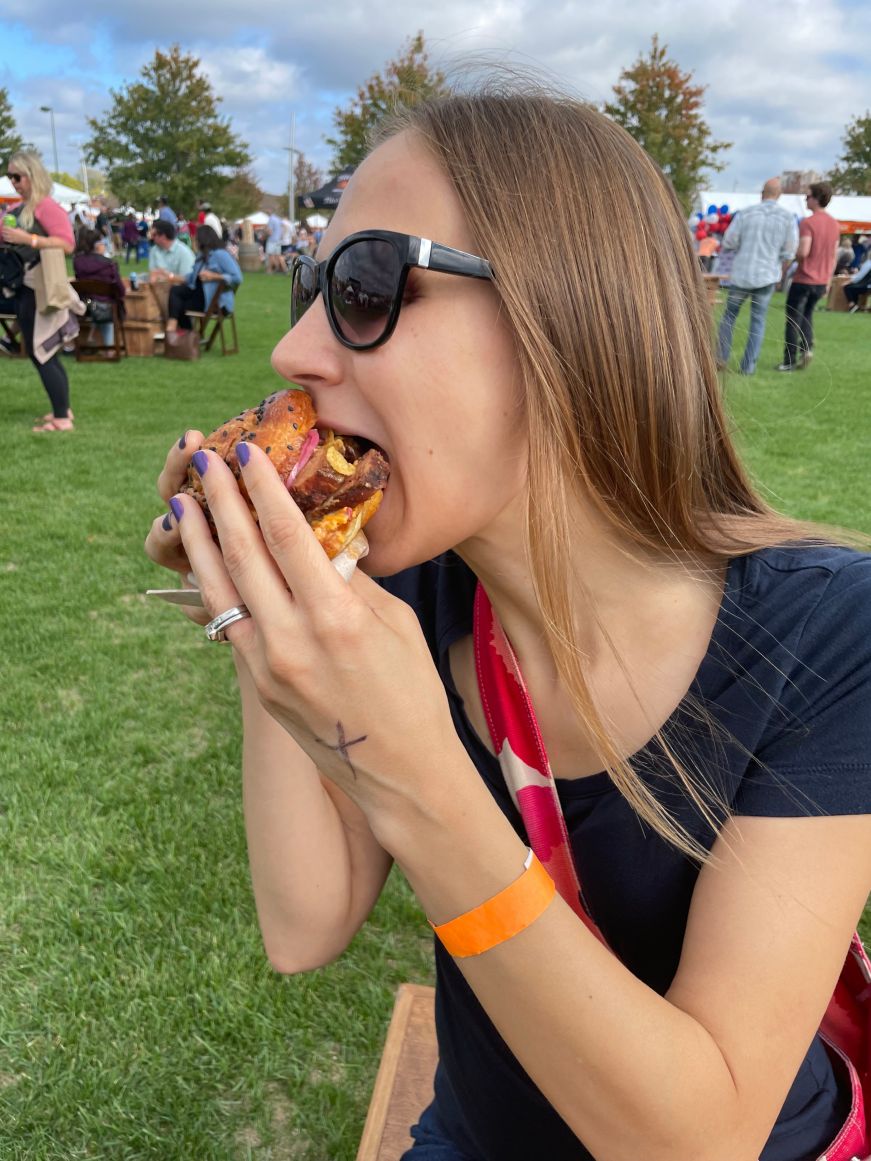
<point>215,630</point>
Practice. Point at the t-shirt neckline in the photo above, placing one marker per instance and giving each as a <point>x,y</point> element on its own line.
<point>591,785</point>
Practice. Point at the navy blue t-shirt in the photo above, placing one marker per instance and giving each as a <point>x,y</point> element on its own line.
<point>786,682</point>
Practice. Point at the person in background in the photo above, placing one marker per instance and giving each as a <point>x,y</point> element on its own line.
<point>707,250</point>
<point>860,250</point>
<point>166,213</point>
<point>129,236</point>
<point>103,226</point>
<point>90,261</point>
<point>763,240</point>
<point>42,225</point>
<point>210,218</point>
<point>274,262</point>
<point>286,237</point>
<point>844,256</point>
<point>169,260</point>
<point>213,265</point>
<point>818,238</point>
<point>564,491</point>
<point>859,285</point>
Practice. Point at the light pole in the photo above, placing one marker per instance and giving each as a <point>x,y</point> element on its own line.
<point>85,174</point>
<point>48,109</point>
<point>291,191</point>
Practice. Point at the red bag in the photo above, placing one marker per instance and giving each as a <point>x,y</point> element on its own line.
<point>846,1027</point>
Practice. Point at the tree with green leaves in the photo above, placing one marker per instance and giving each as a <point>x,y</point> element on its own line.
<point>853,174</point>
<point>163,135</point>
<point>10,139</point>
<point>403,81</point>
<point>662,109</point>
<point>241,196</point>
<point>67,179</point>
<point>306,177</point>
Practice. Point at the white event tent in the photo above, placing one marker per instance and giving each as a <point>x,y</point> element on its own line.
<point>854,213</point>
<point>63,194</point>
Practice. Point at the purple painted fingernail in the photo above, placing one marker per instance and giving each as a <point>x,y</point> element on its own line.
<point>243,453</point>
<point>182,441</point>
<point>177,507</point>
<point>200,462</point>
<point>167,523</point>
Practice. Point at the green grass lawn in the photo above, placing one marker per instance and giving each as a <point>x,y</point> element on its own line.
<point>138,1017</point>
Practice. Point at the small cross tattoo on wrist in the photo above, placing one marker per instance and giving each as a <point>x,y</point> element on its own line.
<point>343,745</point>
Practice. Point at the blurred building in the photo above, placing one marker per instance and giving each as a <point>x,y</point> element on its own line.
<point>796,181</point>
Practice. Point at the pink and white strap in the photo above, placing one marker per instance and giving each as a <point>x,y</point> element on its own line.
<point>522,756</point>
<point>517,740</point>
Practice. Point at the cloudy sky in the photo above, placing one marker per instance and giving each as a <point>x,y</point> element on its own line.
<point>784,76</point>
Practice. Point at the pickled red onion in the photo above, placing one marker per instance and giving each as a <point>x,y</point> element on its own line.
<point>309,444</point>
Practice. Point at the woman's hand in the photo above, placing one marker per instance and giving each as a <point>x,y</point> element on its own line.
<point>344,668</point>
<point>16,236</point>
<point>163,543</point>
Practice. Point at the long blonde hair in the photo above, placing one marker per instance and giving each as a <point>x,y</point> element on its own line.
<point>598,280</point>
<point>29,163</point>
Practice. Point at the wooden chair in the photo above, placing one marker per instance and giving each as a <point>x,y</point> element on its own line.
<point>403,1086</point>
<point>8,321</point>
<point>88,351</point>
<point>215,318</point>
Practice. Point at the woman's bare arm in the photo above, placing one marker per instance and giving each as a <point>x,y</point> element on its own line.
<point>703,1071</point>
<point>316,868</point>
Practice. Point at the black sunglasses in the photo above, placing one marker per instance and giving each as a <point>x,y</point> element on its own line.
<point>16,177</point>
<point>363,280</point>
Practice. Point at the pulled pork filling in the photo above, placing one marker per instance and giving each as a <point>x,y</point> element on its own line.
<point>341,472</point>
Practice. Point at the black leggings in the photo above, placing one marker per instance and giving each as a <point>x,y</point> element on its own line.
<point>52,373</point>
<point>800,303</point>
<point>182,299</point>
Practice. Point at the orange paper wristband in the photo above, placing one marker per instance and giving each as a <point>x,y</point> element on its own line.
<point>503,916</point>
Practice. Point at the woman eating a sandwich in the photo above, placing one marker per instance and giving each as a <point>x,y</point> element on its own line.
<point>642,904</point>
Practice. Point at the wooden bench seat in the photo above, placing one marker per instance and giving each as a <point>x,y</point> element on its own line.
<point>403,1086</point>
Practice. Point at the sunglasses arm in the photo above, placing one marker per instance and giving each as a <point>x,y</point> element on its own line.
<point>445,260</point>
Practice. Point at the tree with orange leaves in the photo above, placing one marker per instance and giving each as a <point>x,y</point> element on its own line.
<point>660,106</point>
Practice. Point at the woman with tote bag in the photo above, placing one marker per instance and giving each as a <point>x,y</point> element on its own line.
<point>43,227</point>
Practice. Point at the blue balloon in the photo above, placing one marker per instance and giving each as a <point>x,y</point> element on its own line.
<point>724,209</point>
<point>700,216</point>
<point>712,209</point>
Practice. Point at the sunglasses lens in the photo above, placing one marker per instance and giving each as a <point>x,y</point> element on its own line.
<point>303,290</point>
<point>363,289</point>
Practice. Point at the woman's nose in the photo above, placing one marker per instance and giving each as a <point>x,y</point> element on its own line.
<point>309,352</point>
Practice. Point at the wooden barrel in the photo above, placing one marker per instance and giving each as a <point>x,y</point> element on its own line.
<point>249,257</point>
<point>837,299</point>
<point>140,338</point>
<point>142,306</point>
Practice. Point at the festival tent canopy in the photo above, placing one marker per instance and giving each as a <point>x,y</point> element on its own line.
<point>63,194</point>
<point>317,221</point>
<point>327,197</point>
<point>853,213</point>
<point>258,219</point>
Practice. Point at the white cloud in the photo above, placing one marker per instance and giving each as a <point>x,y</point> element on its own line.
<point>248,76</point>
<point>776,70</point>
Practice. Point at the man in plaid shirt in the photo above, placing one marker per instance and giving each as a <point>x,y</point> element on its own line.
<point>765,239</point>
